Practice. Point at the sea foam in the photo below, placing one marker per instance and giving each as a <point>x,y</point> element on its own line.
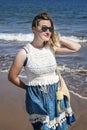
<point>29,37</point>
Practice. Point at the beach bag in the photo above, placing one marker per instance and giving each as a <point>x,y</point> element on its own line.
<point>62,89</point>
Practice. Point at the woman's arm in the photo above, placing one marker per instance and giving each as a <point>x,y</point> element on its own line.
<point>16,69</point>
<point>67,47</point>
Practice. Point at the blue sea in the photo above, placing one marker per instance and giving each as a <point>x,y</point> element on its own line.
<point>70,20</point>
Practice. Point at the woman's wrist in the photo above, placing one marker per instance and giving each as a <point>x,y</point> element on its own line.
<point>22,85</point>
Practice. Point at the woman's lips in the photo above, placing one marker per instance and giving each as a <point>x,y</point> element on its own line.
<point>47,35</point>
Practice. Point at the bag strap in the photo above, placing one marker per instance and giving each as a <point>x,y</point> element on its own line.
<point>26,59</point>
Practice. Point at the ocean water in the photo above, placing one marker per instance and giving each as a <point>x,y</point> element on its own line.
<point>70,20</point>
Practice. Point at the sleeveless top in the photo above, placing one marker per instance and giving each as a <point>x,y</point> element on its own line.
<point>40,67</point>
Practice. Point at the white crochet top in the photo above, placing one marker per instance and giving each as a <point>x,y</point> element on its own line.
<point>40,67</point>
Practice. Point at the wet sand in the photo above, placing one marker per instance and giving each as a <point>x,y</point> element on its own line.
<point>13,115</point>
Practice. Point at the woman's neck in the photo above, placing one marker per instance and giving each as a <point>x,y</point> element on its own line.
<point>38,44</point>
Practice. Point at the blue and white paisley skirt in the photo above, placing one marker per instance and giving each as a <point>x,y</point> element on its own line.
<point>42,106</point>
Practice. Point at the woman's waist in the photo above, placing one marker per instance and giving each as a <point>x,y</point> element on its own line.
<point>44,79</point>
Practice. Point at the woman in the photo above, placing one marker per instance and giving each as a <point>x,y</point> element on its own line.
<point>39,63</point>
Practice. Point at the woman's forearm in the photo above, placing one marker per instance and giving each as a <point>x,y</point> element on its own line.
<point>70,44</point>
<point>17,82</point>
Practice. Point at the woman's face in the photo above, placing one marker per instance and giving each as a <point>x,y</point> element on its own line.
<point>43,30</point>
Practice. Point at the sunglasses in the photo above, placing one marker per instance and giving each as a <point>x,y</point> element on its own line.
<point>45,28</point>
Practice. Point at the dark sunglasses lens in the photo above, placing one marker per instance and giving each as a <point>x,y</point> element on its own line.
<point>50,29</point>
<point>44,29</point>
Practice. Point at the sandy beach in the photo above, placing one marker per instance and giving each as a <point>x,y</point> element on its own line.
<point>13,115</point>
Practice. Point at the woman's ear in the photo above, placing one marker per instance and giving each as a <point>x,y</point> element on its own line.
<point>33,29</point>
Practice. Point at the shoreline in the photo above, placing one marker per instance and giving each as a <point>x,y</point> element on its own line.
<point>13,114</point>
<point>78,95</point>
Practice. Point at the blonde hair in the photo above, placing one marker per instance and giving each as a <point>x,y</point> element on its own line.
<point>54,39</point>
